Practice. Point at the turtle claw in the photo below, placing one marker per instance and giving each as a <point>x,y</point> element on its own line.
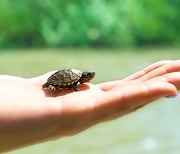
<point>76,87</point>
<point>51,87</point>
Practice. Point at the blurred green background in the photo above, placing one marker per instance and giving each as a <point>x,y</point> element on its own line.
<point>114,23</point>
<point>115,39</point>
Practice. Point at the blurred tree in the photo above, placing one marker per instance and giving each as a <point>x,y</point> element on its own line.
<point>46,23</point>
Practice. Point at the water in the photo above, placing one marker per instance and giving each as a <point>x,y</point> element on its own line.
<point>154,129</point>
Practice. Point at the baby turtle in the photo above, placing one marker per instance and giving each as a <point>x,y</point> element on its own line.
<point>68,79</point>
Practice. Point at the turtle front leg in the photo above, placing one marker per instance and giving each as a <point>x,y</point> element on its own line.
<point>76,87</point>
<point>49,86</point>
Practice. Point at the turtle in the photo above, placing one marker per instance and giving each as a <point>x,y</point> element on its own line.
<point>68,79</point>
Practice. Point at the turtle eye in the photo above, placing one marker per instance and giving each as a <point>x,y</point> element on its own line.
<point>87,76</point>
<point>90,75</point>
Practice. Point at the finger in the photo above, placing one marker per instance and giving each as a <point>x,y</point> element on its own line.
<point>157,65</point>
<point>108,85</point>
<point>172,78</point>
<point>170,67</point>
<point>123,100</point>
<point>147,70</point>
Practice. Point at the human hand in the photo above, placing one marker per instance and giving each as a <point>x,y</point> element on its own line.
<point>30,114</point>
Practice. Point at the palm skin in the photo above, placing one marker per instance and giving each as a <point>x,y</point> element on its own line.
<point>30,114</point>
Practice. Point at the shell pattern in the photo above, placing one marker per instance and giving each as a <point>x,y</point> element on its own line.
<point>68,79</point>
<point>64,77</point>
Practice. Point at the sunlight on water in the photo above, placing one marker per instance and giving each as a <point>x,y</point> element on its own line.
<point>150,144</point>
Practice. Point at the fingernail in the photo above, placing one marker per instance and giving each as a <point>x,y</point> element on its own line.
<point>174,96</point>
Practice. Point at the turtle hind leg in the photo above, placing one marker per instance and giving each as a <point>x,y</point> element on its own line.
<point>77,86</point>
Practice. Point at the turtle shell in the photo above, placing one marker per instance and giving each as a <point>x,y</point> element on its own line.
<point>64,77</point>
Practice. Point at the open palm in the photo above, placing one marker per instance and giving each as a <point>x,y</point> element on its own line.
<point>32,114</point>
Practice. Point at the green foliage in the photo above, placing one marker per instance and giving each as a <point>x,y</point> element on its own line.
<point>46,23</point>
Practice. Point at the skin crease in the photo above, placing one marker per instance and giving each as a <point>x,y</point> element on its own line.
<point>30,114</point>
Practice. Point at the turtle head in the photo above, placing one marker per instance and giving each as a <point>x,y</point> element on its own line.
<point>87,76</point>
